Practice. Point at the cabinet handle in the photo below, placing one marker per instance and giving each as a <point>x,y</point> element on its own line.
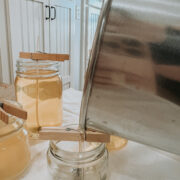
<point>52,7</point>
<point>49,12</point>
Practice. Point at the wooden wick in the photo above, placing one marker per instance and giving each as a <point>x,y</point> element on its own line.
<point>67,134</point>
<point>44,56</point>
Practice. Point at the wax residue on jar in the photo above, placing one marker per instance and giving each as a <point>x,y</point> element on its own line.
<point>41,97</point>
<point>14,149</point>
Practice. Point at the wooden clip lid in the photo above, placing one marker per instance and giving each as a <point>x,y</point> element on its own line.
<point>44,56</point>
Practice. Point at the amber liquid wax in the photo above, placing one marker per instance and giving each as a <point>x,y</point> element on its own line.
<point>41,98</point>
<point>14,154</point>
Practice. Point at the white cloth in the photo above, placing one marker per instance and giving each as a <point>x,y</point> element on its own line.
<point>134,162</point>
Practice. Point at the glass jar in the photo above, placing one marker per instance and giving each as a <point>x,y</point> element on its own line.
<point>39,91</point>
<point>78,160</point>
<point>14,148</point>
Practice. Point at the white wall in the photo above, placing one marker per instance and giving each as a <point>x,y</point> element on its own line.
<point>90,14</point>
<point>77,44</point>
<point>5,75</point>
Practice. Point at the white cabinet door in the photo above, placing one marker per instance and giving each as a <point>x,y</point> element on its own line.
<point>29,29</point>
<point>61,35</point>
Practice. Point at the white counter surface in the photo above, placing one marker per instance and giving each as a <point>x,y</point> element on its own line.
<point>134,162</point>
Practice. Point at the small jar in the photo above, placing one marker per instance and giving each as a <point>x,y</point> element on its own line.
<point>14,148</point>
<point>77,160</point>
<point>39,91</point>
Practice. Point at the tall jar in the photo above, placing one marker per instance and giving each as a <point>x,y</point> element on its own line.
<point>14,148</point>
<point>39,91</point>
<point>69,161</point>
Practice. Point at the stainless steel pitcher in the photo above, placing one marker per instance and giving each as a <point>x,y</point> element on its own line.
<point>132,86</point>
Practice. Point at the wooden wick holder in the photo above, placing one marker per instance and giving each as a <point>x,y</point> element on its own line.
<point>7,108</point>
<point>44,56</point>
<point>68,134</point>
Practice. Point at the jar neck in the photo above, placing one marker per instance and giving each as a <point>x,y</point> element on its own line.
<point>77,157</point>
<point>36,69</point>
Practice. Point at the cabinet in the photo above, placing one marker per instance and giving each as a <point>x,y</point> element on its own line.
<point>62,32</point>
<point>28,27</point>
<point>42,25</point>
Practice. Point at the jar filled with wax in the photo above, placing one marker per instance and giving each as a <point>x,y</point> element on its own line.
<point>78,160</point>
<point>39,91</point>
<point>14,148</point>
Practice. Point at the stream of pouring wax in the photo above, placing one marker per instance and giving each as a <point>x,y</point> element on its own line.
<point>14,151</point>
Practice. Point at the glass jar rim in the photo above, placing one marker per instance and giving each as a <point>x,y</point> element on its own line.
<point>76,157</point>
<point>31,68</point>
<point>30,62</point>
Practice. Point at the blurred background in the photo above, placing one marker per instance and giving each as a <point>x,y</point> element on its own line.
<point>50,26</point>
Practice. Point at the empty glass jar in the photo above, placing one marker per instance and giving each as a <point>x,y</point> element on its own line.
<point>77,160</point>
<point>14,148</point>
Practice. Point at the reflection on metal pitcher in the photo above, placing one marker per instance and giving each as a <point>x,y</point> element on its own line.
<point>132,86</point>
